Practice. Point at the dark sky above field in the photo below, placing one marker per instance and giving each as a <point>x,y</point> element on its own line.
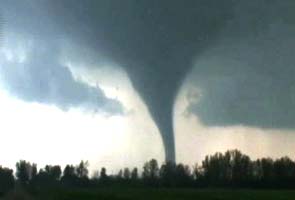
<point>236,56</point>
<point>248,75</point>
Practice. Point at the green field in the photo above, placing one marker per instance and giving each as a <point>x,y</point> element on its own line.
<point>166,194</point>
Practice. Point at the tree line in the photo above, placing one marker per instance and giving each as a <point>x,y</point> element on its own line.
<point>229,169</point>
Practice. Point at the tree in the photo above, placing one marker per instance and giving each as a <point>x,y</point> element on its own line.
<point>198,172</point>
<point>54,172</point>
<point>151,169</point>
<point>151,172</point>
<point>6,180</point>
<point>232,168</point>
<point>217,169</point>
<point>23,172</point>
<point>34,171</point>
<point>82,171</point>
<point>168,173</point>
<point>120,174</point>
<point>103,175</point>
<point>183,175</point>
<point>47,177</point>
<point>240,167</point>
<point>134,174</point>
<point>69,171</point>
<point>126,173</point>
<point>266,165</point>
<point>284,171</point>
<point>69,177</point>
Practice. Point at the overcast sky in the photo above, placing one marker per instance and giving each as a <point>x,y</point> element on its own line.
<point>97,81</point>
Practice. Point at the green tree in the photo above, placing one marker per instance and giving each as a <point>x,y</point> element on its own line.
<point>23,172</point>
<point>284,171</point>
<point>151,169</point>
<point>6,180</point>
<point>126,173</point>
<point>103,175</point>
<point>168,174</point>
<point>241,168</point>
<point>134,174</point>
<point>69,177</point>
<point>151,173</point>
<point>82,169</point>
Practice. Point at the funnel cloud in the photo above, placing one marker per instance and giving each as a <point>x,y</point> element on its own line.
<point>156,42</point>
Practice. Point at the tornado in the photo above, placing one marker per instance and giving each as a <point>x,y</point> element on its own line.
<point>154,41</point>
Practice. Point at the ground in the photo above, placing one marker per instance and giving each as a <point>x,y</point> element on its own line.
<point>163,194</point>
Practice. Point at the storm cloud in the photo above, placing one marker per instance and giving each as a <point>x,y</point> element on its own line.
<point>40,77</point>
<point>248,78</point>
<point>154,41</point>
<point>231,44</point>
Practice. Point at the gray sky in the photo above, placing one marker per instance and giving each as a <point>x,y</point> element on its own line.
<point>210,66</point>
<point>248,76</point>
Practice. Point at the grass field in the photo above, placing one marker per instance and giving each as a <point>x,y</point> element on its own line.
<point>167,194</point>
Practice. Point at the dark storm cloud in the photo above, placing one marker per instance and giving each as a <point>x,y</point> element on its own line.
<point>41,78</point>
<point>28,17</point>
<point>154,41</point>
<point>249,76</point>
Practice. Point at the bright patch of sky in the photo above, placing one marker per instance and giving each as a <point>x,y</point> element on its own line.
<point>46,134</point>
